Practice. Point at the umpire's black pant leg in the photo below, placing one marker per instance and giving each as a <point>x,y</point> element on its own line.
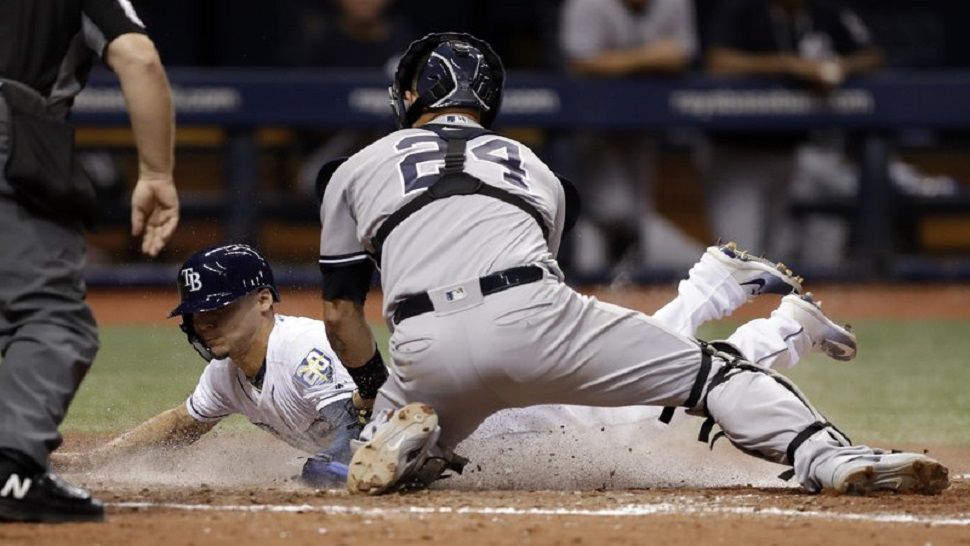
<point>48,337</point>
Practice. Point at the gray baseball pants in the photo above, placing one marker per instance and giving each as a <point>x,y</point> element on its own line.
<point>544,343</point>
<point>48,337</point>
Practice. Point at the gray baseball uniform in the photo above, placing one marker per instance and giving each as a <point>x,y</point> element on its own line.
<point>352,212</point>
<point>536,342</point>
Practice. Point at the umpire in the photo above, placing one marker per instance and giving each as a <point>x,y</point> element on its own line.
<point>48,337</point>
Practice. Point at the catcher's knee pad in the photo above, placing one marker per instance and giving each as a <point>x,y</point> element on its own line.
<point>726,347</point>
<point>713,359</point>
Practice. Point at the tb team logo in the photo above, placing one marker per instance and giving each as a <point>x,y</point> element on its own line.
<point>191,280</point>
<point>315,369</point>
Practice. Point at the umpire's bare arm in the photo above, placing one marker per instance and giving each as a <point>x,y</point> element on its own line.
<point>154,202</point>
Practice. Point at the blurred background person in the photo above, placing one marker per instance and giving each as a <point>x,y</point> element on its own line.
<point>358,34</point>
<point>352,34</point>
<point>748,176</point>
<point>616,172</point>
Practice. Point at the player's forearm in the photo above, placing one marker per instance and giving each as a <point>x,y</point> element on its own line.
<point>632,61</point>
<point>171,428</point>
<point>348,332</point>
<point>149,100</point>
<point>863,61</point>
<point>729,62</point>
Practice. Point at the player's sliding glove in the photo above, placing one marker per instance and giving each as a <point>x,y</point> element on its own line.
<point>322,473</point>
<point>339,423</point>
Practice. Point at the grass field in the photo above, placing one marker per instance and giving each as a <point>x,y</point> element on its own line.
<point>908,385</point>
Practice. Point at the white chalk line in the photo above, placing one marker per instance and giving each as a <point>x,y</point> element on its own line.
<point>664,508</point>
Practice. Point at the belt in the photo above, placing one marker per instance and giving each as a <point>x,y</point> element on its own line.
<point>420,304</point>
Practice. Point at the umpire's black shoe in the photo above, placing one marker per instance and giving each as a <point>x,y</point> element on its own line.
<point>41,496</point>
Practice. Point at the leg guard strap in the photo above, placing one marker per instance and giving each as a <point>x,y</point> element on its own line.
<point>696,390</point>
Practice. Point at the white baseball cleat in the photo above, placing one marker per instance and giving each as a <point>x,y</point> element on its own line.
<point>756,275</point>
<point>398,448</point>
<point>836,341</point>
<point>896,472</point>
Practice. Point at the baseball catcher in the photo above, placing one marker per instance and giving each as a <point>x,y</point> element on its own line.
<point>465,226</point>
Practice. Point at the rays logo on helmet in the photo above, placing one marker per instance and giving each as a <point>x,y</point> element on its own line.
<point>216,277</point>
<point>191,280</point>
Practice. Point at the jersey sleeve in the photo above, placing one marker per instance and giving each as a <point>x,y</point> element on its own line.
<point>339,245</point>
<point>212,400</point>
<point>319,376</point>
<point>105,20</point>
<point>558,196</point>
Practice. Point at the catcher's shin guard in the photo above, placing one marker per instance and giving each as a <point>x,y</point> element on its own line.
<point>391,459</point>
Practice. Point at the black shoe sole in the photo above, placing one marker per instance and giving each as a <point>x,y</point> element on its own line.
<point>15,512</point>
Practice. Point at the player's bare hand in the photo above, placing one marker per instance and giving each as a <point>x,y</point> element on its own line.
<point>822,75</point>
<point>154,212</point>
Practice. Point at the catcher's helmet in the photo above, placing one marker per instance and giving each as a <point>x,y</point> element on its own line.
<point>448,70</point>
<point>215,277</point>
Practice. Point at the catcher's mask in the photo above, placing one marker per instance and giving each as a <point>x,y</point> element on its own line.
<point>448,70</point>
<point>215,277</point>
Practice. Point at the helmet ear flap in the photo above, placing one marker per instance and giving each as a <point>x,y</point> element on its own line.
<point>188,327</point>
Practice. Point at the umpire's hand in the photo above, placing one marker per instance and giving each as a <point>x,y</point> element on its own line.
<point>154,212</point>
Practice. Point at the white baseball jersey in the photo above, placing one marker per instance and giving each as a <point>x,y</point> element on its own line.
<point>381,178</point>
<point>302,376</point>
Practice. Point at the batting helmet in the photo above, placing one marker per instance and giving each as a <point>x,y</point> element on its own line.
<point>215,277</point>
<point>448,70</point>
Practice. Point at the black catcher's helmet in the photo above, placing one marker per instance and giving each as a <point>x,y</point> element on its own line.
<point>215,277</point>
<point>449,70</point>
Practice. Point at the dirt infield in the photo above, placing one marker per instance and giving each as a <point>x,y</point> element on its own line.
<point>690,517</point>
<point>221,492</point>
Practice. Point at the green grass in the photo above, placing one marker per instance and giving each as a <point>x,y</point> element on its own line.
<point>908,385</point>
<point>139,372</point>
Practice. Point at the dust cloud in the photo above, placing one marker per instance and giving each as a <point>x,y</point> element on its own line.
<point>554,448</point>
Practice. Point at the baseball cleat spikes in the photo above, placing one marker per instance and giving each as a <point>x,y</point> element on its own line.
<point>894,472</point>
<point>754,274</point>
<point>838,342</point>
<point>398,449</point>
